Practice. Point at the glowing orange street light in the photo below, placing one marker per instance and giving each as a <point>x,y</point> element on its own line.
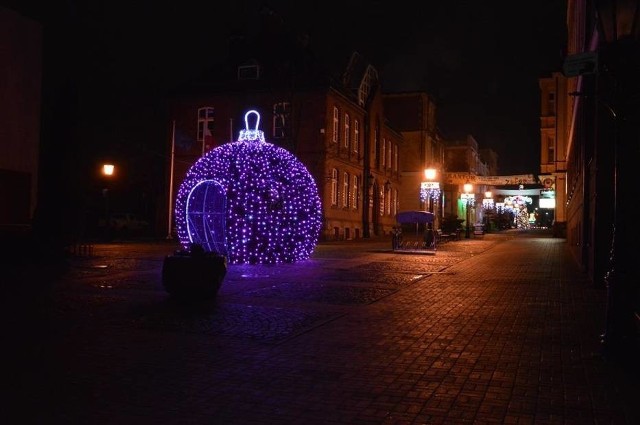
<point>430,174</point>
<point>108,169</point>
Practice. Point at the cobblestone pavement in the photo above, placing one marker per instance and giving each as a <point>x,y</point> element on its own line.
<point>498,329</point>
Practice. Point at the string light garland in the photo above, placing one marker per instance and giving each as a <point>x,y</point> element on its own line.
<point>260,196</point>
<point>429,193</point>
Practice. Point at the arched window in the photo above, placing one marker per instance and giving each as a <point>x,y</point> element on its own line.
<point>395,157</point>
<point>347,129</point>
<point>345,190</point>
<point>387,201</point>
<point>383,153</point>
<point>336,123</point>
<point>355,193</point>
<point>356,135</point>
<point>334,187</point>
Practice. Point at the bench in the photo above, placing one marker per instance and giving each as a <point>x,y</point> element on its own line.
<point>442,237</point>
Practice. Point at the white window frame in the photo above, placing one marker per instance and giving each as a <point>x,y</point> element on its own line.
<point>347,129</point>
<point>355,192</point>
<point>356,135</point>
<point>334,187</point>
<point>206,118</point>
<point>387,201</point>
<point>249,72</point>
<point>345,190</point>
<point>395,157</point>
<point>336,124</point>
<point>281,114</point>
<point>365,84</point>
<point>395,202</point>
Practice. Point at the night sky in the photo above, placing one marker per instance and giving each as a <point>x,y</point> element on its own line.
<point>481,60</point>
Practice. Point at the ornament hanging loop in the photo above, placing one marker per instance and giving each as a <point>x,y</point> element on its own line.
<point>246,119</point>
<point>251,135</point>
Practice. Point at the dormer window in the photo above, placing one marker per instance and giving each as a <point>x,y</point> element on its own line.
<point>249,72</point>
<point>370,77</point>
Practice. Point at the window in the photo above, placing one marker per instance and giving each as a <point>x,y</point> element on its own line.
<point>368,80</point>
<point>345,190</point>
<point>387,201</point>
<point>334,187</point>
<point>336,122</point>
<point>551,152</point>
<point>376,142</point>
<point>355,192</point>
<point>206,119</point>
<point>356,135</point>
<point>205,112</point>
<point>383,152</point>
<point>281,114</point>
<point>551,102</point>
<point>395,157</point>
<point>389,154</point>
<point>249,72</point>
<point>395,202</point>
<point>347,123</point>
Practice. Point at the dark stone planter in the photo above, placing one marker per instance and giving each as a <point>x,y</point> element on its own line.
<point>194,274</point>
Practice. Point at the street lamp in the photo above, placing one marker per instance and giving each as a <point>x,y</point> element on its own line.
<point>487,206</point>
<point>429,193</point>
<point>469,198</point>
<point>429,189</point>
<point>620,56</point>
<point>487,202</point>
<point>108,170</point>
<point>430,174</point>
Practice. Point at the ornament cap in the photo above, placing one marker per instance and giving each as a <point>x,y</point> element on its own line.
<point>251,135</point>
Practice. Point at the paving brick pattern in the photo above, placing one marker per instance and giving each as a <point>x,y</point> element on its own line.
<point>498,330</point>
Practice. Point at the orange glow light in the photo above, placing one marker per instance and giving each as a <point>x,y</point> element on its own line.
<point>108,169</point>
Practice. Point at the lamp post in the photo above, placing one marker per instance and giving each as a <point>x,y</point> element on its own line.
<point>108,171</point>
<point>618,22</point>
<point>469,199</point>
<point>487,205</point>
<point>429,192</point>
<point>429,189</point>
<point>487,202</point>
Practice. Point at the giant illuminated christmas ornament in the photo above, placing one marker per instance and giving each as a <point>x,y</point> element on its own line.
<point>251,201</point>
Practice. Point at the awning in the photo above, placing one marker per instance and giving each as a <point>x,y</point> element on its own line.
<point>415,217</point>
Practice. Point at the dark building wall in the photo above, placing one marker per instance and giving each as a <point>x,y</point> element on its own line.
<point>20,91</point>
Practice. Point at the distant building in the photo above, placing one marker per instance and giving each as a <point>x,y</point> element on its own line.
<point>463,156</point>
<point>335,125</point>
<point>413,114</point>
<point>555,116</point>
